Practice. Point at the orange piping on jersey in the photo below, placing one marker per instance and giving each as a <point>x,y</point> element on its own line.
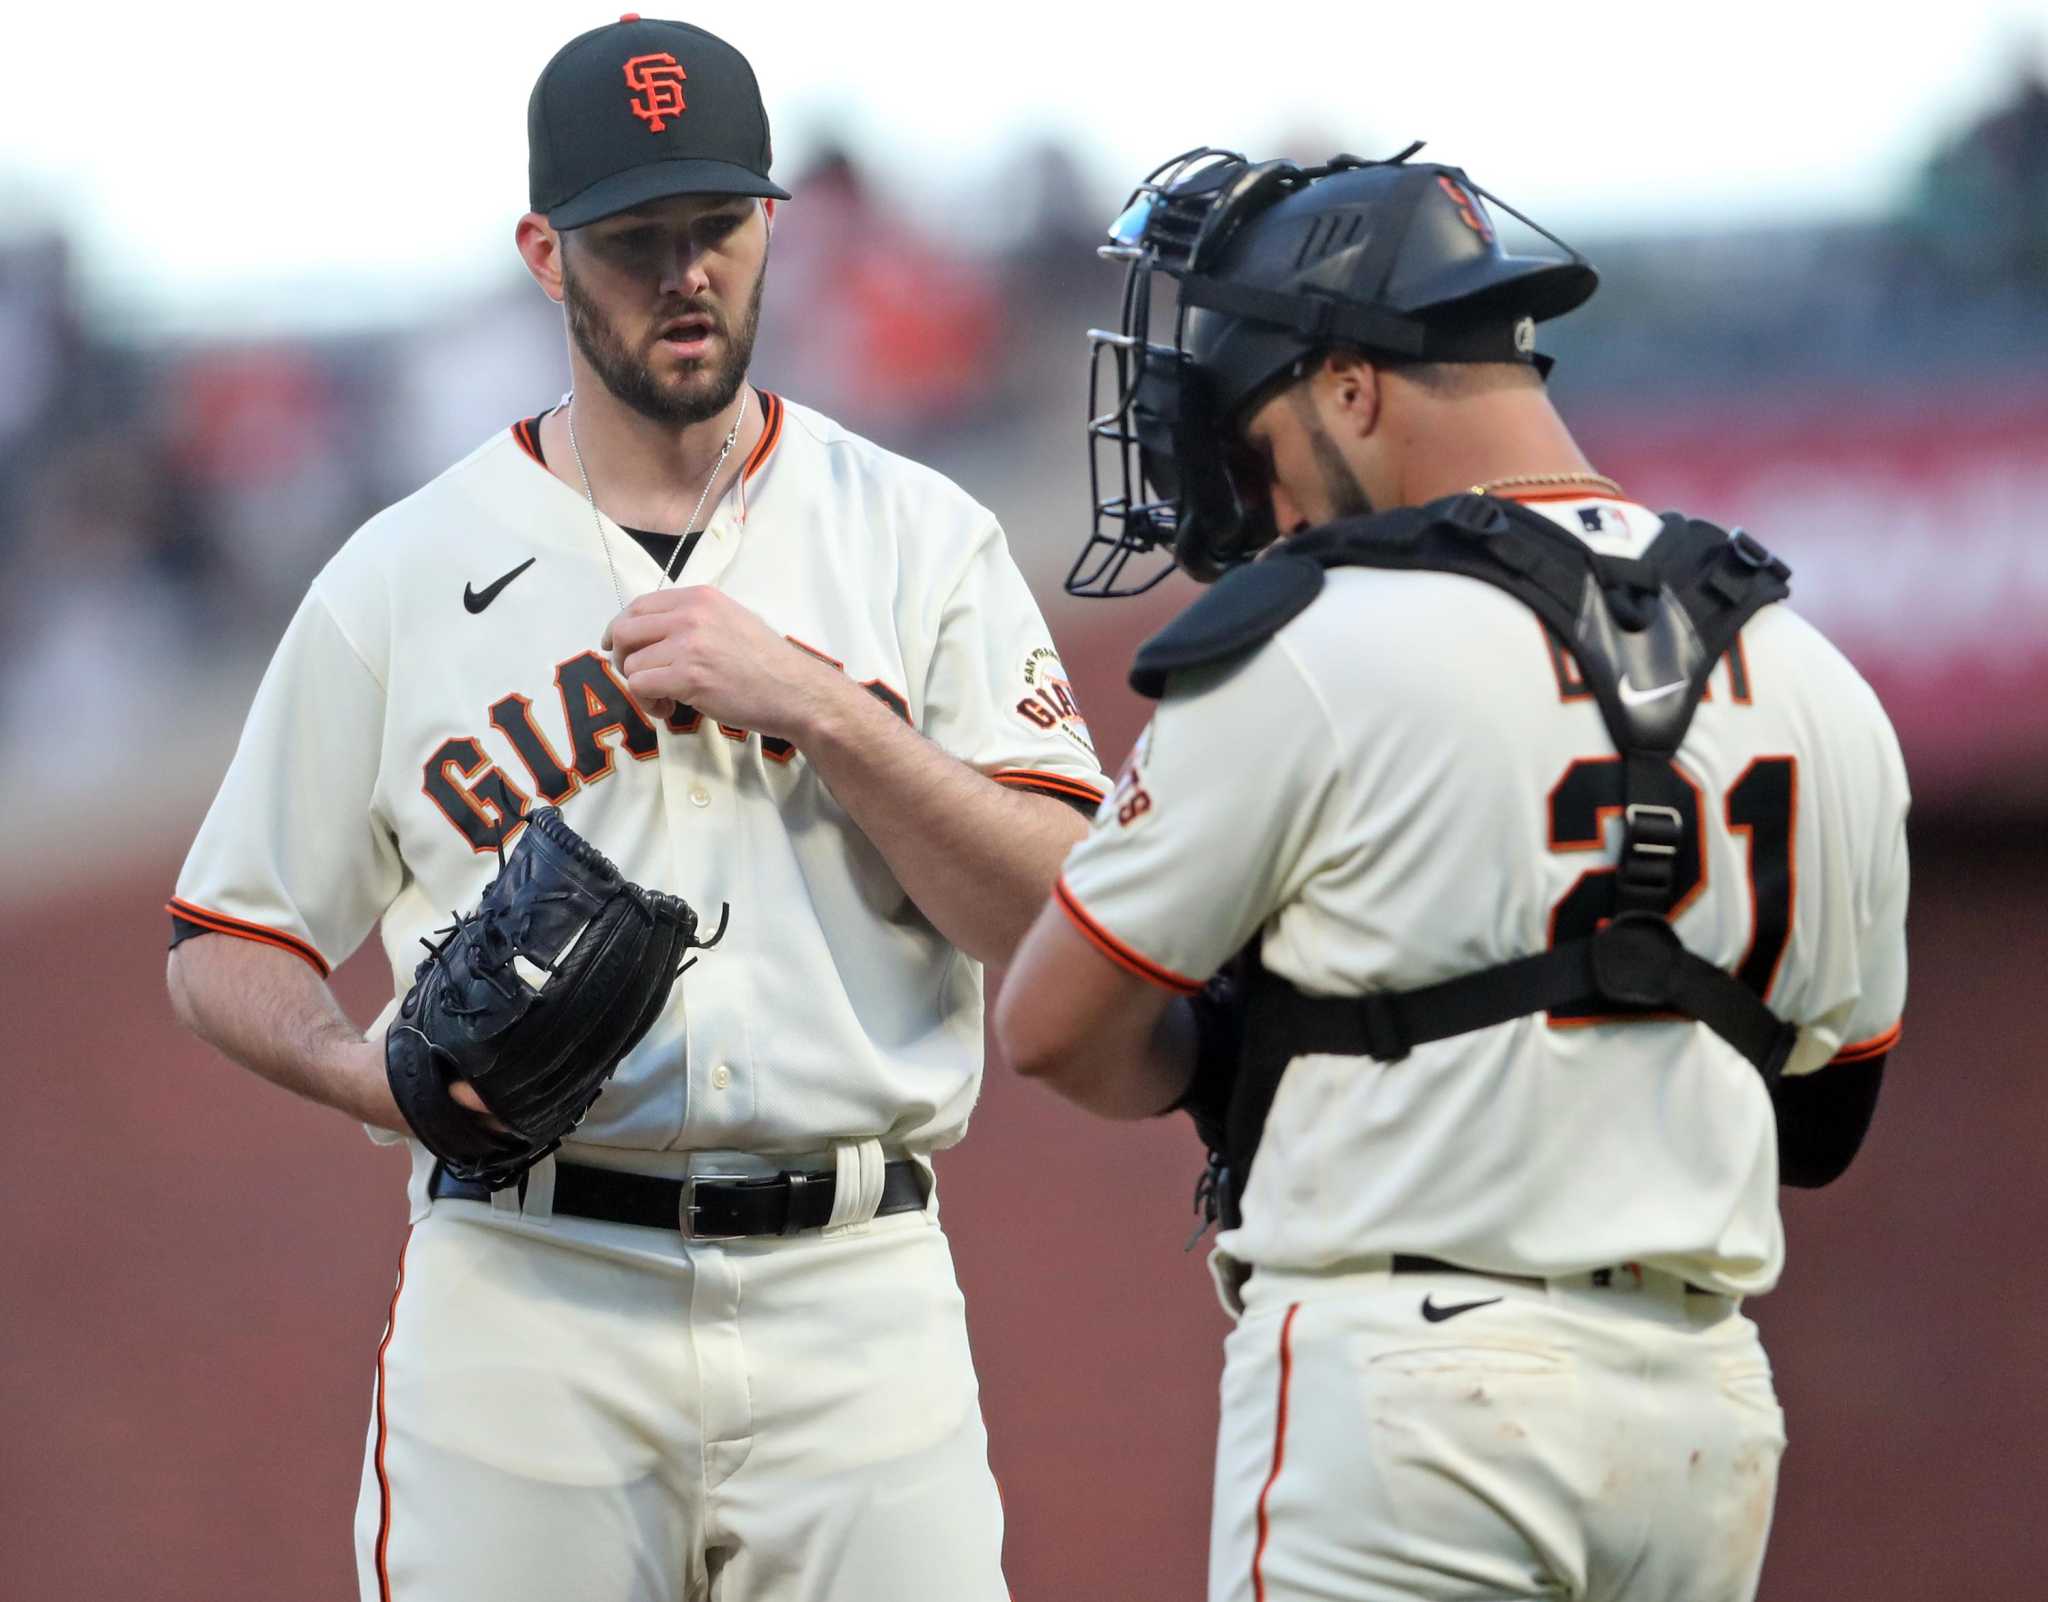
<point>771,432</point>
<point>1047,783</point>
<point>384,1479</point>
<point>1117,952</point>
<point>1279,1450</point>
<point>1559,495</point>
<point>1875,1046</point>
<point>522,432</point>
<point>262,934</point>
<point>525,435</point>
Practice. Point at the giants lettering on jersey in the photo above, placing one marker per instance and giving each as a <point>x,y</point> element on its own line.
<point>1051,703</point>
<point>599,717</point>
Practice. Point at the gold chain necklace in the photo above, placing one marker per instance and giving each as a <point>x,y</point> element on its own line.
<point>1533,480</point>
<point>668,572</point>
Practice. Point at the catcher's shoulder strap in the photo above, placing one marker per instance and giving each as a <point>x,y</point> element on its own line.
<point>1233,617</point>
<point>1638,626</point>
<point>1645,633</point>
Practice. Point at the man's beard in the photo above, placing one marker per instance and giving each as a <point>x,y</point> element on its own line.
<point>630,378</point>
<point>1341,487</point>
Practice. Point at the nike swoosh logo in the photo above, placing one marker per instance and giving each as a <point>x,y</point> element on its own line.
<point>477,600</point>
<point>1436,1314</point>
<point>1631,696</point>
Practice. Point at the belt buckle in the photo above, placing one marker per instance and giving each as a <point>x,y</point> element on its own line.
<point>686,1214</point>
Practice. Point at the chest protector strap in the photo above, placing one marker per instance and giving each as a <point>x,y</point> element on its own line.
<point>1645,633</point>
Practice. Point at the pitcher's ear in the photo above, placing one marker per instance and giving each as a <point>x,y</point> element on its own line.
<point>540,248</point>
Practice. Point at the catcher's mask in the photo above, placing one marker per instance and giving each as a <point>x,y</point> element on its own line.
<point>1273,264</point>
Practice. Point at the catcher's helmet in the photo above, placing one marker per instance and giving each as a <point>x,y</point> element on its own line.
<point>1274,264</point>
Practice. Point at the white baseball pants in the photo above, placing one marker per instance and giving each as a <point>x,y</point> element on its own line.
<point>1543,1442</point>
<point>572,1409</point>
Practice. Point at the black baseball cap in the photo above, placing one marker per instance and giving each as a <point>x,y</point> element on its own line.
<point>639,110</point>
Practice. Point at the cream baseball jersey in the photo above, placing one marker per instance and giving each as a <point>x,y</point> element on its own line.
<point>443,672</point>
<point>1410,783</point>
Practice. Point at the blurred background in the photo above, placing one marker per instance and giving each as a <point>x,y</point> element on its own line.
<point>256,282</point>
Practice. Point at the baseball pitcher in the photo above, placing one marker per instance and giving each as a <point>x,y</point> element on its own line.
<point>691,756</point>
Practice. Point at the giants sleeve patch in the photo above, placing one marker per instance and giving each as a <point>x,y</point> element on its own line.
<point>1049,702</point>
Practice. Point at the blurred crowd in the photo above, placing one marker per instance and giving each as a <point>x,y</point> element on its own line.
<point>163,503</point>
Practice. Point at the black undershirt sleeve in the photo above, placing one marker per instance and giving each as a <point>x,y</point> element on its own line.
<point>1822,1119</point>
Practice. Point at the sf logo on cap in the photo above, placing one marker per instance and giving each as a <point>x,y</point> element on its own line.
<point>1468,209</point>
<point>659,79</point>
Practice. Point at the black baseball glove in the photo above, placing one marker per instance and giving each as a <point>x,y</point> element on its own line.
<point>1219,1047</point>
<point>534,998</point>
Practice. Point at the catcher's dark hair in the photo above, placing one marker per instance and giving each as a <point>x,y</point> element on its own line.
<point>1445,380</point>
<point>1455,380</point>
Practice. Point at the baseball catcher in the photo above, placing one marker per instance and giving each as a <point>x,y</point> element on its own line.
<point>1564,865</point>
<point>533,1000</point>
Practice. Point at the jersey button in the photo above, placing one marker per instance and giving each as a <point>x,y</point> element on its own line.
<point>699,796</point>
<point>721,1076</point>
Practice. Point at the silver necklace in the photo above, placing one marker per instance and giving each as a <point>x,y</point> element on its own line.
<point>668,573</point>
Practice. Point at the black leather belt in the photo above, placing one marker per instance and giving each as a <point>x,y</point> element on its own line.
<point>703,1206</point>
<point>1403,1263</point>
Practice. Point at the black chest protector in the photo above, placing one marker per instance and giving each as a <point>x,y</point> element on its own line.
<point>1645,633</point>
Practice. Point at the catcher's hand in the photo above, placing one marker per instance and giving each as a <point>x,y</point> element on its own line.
<point>533,999</point>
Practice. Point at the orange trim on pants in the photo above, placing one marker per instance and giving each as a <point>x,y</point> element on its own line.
<point>384,1479</point>
<point>1279,1451</point>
